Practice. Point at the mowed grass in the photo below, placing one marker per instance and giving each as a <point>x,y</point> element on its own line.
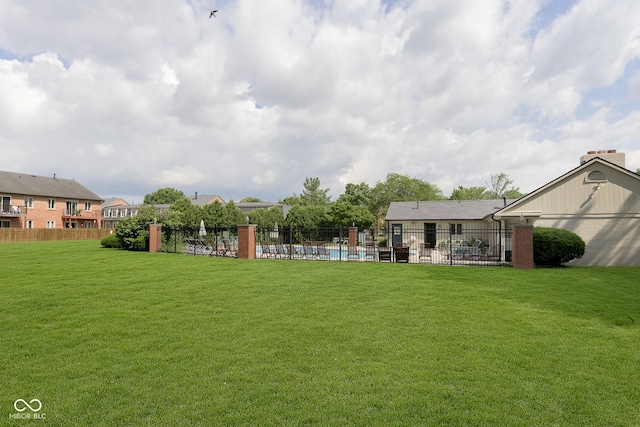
<point>107,337</point>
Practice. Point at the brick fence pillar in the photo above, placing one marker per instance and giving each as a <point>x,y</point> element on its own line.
<point>522,246</point>
<point>247,241</point>
<point>155,237</point>
<point>353,235</point>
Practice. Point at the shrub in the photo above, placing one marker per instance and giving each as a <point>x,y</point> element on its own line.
<point>112,241</point>
<point>555,246</point>
<point>140,243</point>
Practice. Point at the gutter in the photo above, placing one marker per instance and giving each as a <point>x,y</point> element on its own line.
<point>500,241</point>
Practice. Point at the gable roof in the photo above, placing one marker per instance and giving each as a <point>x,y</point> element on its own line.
<point>205,199</point>
<point>444,209</point>
<point>113,201</point>
<point>536,193</point>
<point>33,185</point>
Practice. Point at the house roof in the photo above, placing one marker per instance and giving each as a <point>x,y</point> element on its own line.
<point>205,199</point>
<point>113,201</point>
<point>444,209</point>
<point>249,206</point>
<point>33,185</point>
<point>536,193</point>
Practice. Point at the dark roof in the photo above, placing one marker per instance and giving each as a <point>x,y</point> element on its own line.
<point>33,185</point>
<point>249,206</point>
<point>444,209</point>
<point>204,199</point>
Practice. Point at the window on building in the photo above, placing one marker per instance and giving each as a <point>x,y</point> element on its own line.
<point>29,223</point>
<point>87,206</point>
<point>5,204</point>
<point>28,202</point>
<point>596,176</point>
<point>5,224</point>
<point>51,224</point>
<point>455,228</point>
<point>72,208</point>
<point>51,204</point>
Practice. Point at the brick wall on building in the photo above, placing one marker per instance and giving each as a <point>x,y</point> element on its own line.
<point>40,213</point>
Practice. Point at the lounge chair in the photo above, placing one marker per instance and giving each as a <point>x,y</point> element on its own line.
<point>281,251</point>
<point>295,251</point>
<point>353,252</point>
<point>425,252</point>
<point>323,252</point>
<point>229,250</point>
<point>384,254</point>
<point>370,252</point>
<point>308,251</point>
<point>464,251</point>
<point>266,251</point>
<point>402,253</point>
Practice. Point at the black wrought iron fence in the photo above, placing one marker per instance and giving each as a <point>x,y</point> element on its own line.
<point>328,243</point>
<point>489,245</point>
<point>453,245</point>
<point>204,241</point>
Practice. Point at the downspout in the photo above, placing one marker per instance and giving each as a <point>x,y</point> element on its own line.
<point>500,239</point>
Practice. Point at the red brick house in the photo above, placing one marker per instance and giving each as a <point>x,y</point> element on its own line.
<point>30,201</point>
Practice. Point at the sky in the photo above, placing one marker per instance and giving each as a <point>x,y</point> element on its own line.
<point>129,96</point>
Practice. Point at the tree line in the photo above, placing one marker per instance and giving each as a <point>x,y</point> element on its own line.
<point>360,205</point>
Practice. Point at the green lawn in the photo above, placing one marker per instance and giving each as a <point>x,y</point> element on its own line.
<point>107,337</point>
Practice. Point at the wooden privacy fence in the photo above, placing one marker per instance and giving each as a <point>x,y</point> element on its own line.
<point>52,234</point>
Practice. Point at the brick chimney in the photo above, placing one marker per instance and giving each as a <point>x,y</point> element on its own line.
<point>609,155</point>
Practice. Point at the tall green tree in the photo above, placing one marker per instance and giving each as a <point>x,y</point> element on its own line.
<point>344,214</point>
<point>501,185</point>
<point>312,195</point>
<point>401,188</point>
<point>213,214</point>
<point>469,193</point>
<point>165,195</point>
<point>232,215</point>
<point>308,217</point>
<point>186,212</point>
<point>250,199</point>
<point>357,194</point>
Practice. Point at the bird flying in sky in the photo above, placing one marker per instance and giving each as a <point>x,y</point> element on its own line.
<point>213,13</point>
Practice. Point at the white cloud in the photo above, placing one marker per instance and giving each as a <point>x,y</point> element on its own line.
<point>104,150</point>
<point>266,94</point>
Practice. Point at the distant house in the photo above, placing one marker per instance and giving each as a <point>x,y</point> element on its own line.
<point>113,201</point>
<point>598,200</point>
<point>30,201</point>
<point>205,199</point>
<point>115,212</point>
<point>250,206</point>
<point>115,209</point>
<point>446,223</point>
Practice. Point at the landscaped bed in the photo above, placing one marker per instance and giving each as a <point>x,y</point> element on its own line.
<point>110,337</point>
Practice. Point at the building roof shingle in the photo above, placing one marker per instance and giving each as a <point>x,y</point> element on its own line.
<point>444,209</point>
<point>33,185</point>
